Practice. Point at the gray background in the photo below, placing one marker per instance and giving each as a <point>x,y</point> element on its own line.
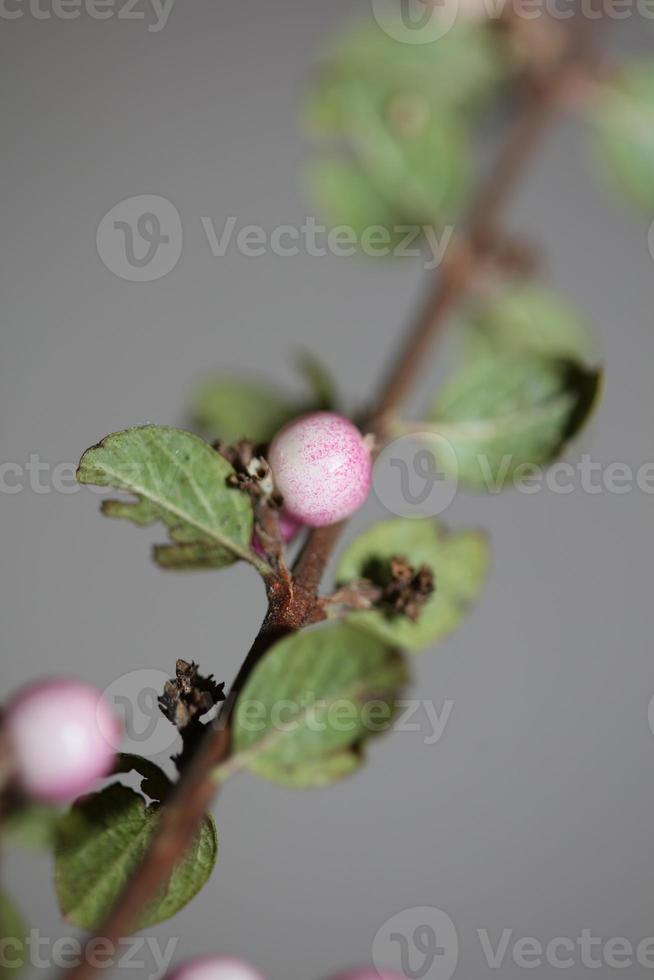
<point>535,811</point>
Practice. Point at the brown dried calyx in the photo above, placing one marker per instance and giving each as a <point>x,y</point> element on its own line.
<point>252,472</point>
<point>407,589</point>
<point>189,695</point>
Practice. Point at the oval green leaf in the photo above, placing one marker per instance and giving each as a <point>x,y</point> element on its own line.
<point>459,562</point>
<point>509,411</point>
<point>97,854</point>
<point>181,481</point>
<point>302,716</point>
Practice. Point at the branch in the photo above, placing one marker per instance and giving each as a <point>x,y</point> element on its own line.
<point>293,601</point>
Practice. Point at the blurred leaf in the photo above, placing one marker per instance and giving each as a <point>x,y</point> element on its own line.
<point>459,562</point>
<point>320,381</point>
<point>459,70</point>
<point>623,117</point>
<point>526,317</point>
<point>290,718</point>
<point>33,825</point>
<point>13,933</point>
<point>230,409</point>
<point>409,167</point>
<point>92,865</point>
<point>179,480</point>
<point>503,412</point>
<point>346,197</point>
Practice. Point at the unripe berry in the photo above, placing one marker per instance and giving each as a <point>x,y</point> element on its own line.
<point>62,736</point>
<point>322,467</point>
<point>215,968</point>
<point>288,528</point>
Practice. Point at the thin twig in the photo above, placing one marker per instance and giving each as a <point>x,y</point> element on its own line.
<point>294,603</point>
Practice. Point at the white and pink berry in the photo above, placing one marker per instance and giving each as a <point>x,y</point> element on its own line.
<point>214,968</point>
<point>322,467</point>
<point>61,736</point>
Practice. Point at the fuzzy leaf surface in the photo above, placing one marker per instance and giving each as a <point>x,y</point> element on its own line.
<point>459,562</point>
<point>501,413</point>
<point>179,480</point>
<point>301,717</point>
<point>95,859</point>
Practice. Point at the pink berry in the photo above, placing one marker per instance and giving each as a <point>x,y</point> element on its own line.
<point>62,735</point>
<point>288,528</point>
<point>215,968</point>
<point>321,465</point>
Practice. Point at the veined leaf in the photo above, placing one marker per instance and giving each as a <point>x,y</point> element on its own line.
<point>501,413</point>
<point>303,713</point>
<point>459,562</point>
<point>95,859</point>
<point>409,167</point>
<point>181,481</point>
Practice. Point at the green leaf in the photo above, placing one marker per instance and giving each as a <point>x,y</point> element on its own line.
<point>409,168</point>
<point>13,933</point>
<point>93,863</point>
<point>526,317</point>
<point>459,70</point>
<point>623,120</point>
<point>180,480</point>
<point>459,562</point>
<point>230,409</point>
<point>302,715</point>
<point>346,197</point>
<point>501,413</point>
<point>33,825</point>
<point>319,380</point>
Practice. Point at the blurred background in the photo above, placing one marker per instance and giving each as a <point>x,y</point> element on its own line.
<point>534,811</point>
